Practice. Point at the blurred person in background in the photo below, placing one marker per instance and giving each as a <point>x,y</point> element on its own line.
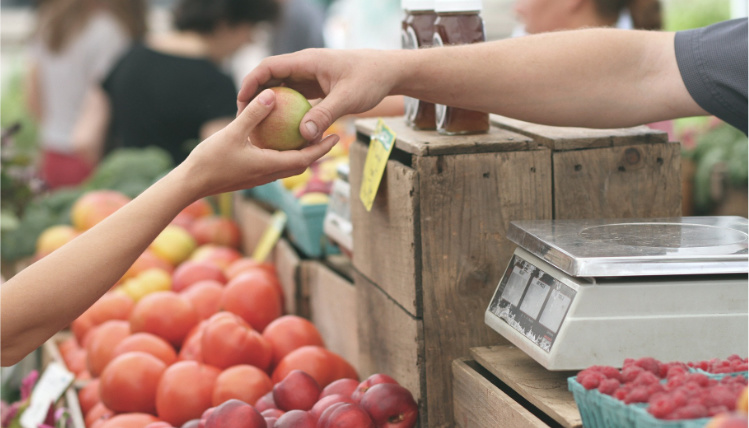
<point>540,16</point>
<point>75,44</point>
<point>300,26</point>
<point>171,90</point>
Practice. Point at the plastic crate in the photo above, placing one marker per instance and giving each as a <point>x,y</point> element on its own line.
<point>305,222</point>
<point>603,411</point>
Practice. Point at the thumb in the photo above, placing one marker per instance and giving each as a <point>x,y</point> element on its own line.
<point>321,116</point>
<point>256,110</point>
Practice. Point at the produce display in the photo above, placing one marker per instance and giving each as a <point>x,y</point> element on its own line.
<point>675,390</point>
<point>194,335</point>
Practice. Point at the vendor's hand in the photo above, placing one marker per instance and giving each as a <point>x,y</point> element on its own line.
<point>348,81</point>
<point>228,161</point>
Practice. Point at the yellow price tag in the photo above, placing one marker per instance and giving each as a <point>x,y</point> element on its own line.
<point>270,236</point>
<point>380,146</point>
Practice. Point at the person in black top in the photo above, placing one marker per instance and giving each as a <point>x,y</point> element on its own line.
<point>595,78</point>
<point>170,91</point>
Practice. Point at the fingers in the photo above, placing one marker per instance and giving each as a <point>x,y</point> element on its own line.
<point>256,110</point>
<point>322,115</point>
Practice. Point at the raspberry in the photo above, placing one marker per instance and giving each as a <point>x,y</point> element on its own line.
<point>650,364</point>
<point>612,372</point>
<point>645,378</point>
<point>661,406</point>
<point>673,369</point>
<point>621,393</point>
<point>608,386</point>
<point>630,373</point>
<point>591,380</point>
<point>720,395</point>
<point>697,378</point>
<point>690,411</point>
<point>638,394</point>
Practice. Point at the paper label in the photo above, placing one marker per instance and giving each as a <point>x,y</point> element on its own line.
<point>380,146</point>
<point>270,236</point>
<point>51,386</point>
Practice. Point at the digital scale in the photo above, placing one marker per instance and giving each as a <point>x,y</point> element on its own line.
<point>578,293</point>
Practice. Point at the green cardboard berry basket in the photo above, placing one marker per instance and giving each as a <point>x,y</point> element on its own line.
<point>603,411</point>
<point>304,222</point>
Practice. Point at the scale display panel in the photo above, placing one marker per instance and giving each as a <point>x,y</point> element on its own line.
<point>532,302</point>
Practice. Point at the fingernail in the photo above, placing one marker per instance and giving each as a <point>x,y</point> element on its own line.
<point>311,127</point>
<point>266,97</point>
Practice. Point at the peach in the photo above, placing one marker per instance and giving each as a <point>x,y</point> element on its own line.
<point>349,415</point>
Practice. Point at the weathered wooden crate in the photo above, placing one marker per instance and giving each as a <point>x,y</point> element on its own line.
<point>331,297</point>
<point>434,244</point>
<point>502,386</point>
<point>50,352</point>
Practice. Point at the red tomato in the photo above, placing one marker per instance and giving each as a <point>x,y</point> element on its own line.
<point>323,365</point>
<point>185,391</point>
<point>100,346</point>
<point>205,296</point>
<point>253,296</point>
<point>111,306</point>
<point>165,314</point>
<point>243,382</point>
<point>190,272</point>
<point>149,343</point>
<point>129,420</point>
<point>97,413</point>
<point>228,341</point>
<point>88,396</point>
<point>288,333</point>
<point>191,349</point>
<point>246,264</point>
<point>128,383</point>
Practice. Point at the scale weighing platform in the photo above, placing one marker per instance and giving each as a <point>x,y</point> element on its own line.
<point>578,293</point>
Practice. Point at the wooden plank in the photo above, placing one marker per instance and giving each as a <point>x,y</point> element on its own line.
<point>466,205</point>
<point>431,143</point>
<point>618,182</point>
<point>545,389</point>
<point>386,238</point>
<point>287,262</point>
<point>478,403</point>
<point>569,138</point>
<point>252,219</point>
<point>390,341</point>
<point>333,311</point>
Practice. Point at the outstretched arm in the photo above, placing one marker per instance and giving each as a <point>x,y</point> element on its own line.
<point>601,78</point>
<point>48,295</point>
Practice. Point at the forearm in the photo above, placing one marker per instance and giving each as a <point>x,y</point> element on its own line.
<point>45,297</point>
<point>590,78</point>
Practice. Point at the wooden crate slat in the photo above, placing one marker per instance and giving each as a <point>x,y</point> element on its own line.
<point>287,262</point>
<point>333,311</point>
<point>390,340</point>
<point>478,403</point>
<point>569,138</point>
<point>431,143</point>
<point>466,207</point>
<point>387,259</point>
<point>619,182</point>
<point>545,389</point>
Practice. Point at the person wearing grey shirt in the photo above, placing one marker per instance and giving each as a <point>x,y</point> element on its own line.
<point>300,26</point>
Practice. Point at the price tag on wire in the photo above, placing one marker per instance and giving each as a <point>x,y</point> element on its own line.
<point>54,382</point>
<point>270,236</point>
<point>380,146</point>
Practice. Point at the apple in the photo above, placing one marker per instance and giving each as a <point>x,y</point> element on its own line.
<point>53,238</point>
<point>297,391</point>
<point>270,422</point>
<point>190,272</point>
<point>235,413</point>
<point>265,402</point>
<point>216,230</point>
<point>390,405</point>
<point>348,415</point>
<point>296,419</point>
<point>280,129</point>
<point>344,387</point>
<point>327,401</point>
<point>95,206</point>
<point>369,382</point>
<point>272,413</point>
<point>322,422</point>
<point>174,244</point>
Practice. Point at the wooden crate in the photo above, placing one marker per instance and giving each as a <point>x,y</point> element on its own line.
<point>332,307</point>
<point>434,244</point>
<point>502,386</point>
